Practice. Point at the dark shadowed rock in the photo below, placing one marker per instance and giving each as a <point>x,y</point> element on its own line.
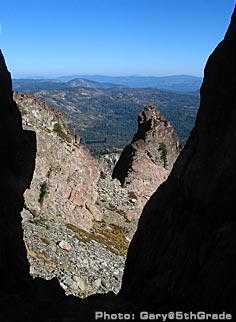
<point>17,149</point>
<point>184,252</point>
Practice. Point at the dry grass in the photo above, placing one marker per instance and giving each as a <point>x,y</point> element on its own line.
<point>39,221</point>
<point>45,241</point>
<point>112,237</point>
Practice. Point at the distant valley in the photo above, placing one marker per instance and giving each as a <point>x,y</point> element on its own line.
<point>104,115</point>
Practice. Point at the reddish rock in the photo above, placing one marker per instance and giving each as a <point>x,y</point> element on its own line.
<point>66,174</point>
<point>64,245</point>
<point>153,132</point>
<point>142,166</point>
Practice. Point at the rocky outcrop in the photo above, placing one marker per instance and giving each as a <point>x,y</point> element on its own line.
<point>146,162</point>
<point>65,177</point>
<point>72,201</point>
<point>184,252</point>
<point>63,209</point>
<point>155,142</point>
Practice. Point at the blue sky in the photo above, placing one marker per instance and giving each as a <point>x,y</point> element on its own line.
<point>111,37</point>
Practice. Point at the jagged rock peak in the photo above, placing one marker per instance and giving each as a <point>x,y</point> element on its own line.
<point>148,119</point>
<point>155,142</point>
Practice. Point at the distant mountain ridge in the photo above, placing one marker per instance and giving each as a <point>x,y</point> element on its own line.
<point>103,110</point>
<point>83,82</point>
<point>32,85</point>
<point>176,83</point>
<point>179,83</point>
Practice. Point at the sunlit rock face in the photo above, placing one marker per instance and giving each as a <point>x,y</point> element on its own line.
<point>64,185</point>
<point>146,162</point>
<point>184,251</point>
<point>154,134</point>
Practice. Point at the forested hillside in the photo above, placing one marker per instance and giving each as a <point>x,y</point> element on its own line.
<point>105,115</point>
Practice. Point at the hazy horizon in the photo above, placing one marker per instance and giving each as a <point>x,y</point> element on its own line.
<point>115,38</point>
<point>57,77</point>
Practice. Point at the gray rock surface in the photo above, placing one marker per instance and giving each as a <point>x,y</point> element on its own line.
<point>82,263</point>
